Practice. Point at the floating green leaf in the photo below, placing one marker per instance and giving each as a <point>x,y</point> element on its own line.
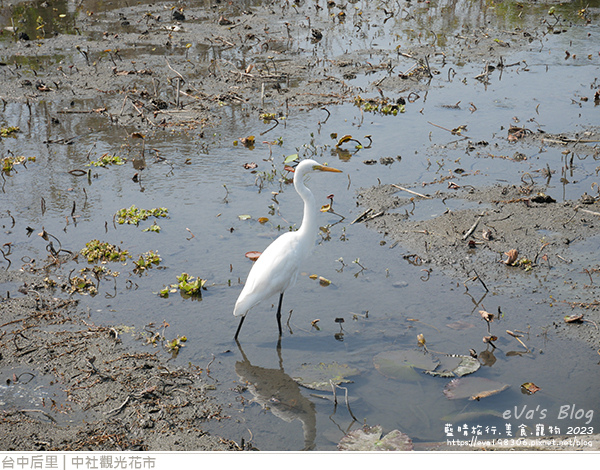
<point>455,366</point>
<point>401,364</point>
<point>369,439</point>
<point>291,158</point>
<point>381,105</point>
<point>9,131</point>
<point>321,376</point>
<point>146,260</point>
<point>7,164</point>
<point>83,285</point>
<point>190,285</point>
<point>175,345</point>
<point>97,251</point>
<point>153,228</point>
<point>108,159</point>
<point>134,215</point>
<point>164,293</point>
<point>267,117</point>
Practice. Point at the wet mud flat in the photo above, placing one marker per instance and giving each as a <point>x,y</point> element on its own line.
<point>70,385</point>
<point>157,67</point>
<point>153,68</point>
<point>501,237</point>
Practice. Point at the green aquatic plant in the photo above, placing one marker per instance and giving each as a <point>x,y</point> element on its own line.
<point>146,261</point>
<point>156,338</point>
<point>153,228</point>
<point>9,131</point>
<point>97,251</point>
<point>379,105</point>
<point>189,286</point>
<point>107,159</point>
<point>83,285</point>
<point>7,164</point>
<point>176,344</point>
<point>135,215</point>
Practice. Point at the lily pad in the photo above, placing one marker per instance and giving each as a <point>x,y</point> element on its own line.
<point>455,366</point>
<point>477,415</point>
<point>401,364</point>
<point>473,388</point>
<point>369,439</point>
<point>320,376</point>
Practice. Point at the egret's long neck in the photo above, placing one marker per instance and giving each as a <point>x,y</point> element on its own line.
<point>309,221</point>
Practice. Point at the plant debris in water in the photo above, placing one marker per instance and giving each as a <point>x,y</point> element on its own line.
<point>83,285</point>
<point>155,338</point>
<point>473,388</point>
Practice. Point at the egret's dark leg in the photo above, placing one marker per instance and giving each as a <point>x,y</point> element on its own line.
<point>279,313</point>
<point>239,327</point>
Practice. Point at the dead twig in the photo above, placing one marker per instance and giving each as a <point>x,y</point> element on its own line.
<point>578,208</point>
<point>333,387</point>
<point>366,215</point>
<point>410,191</point>
<point>120,408</point>
<point>473,227</point>
<point>457,131</point>
<point>517,336</point>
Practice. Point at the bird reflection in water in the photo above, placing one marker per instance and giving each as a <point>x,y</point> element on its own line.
<point>277,392</point>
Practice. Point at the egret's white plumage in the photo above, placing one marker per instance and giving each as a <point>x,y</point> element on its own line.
<point>277,267</point>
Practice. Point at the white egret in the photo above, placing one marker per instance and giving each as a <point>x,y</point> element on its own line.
<point>277,267</point>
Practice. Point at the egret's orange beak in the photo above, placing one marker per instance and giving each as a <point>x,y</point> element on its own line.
<point>326,168</point>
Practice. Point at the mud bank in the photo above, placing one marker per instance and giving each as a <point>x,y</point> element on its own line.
<point>70,385</point>
<point>499,238</point>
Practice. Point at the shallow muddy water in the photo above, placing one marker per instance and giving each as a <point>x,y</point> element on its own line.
<point>384,299</point>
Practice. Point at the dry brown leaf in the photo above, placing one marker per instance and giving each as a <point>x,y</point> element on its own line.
<point>487,393</point>
<point>253,255</point>
<point>512,257</point>
<point>574,318</point>
<point>530,387</point>
<point>487,316</point>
